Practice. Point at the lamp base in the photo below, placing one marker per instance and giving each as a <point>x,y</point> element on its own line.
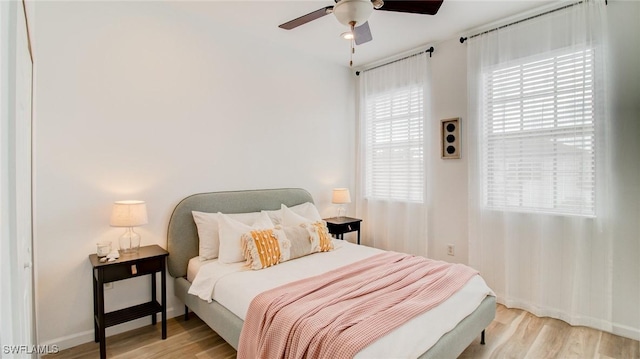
<point>342,212</point>
<point>129,242</point>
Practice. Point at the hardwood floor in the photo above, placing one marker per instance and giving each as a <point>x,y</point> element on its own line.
<point>514,333</point>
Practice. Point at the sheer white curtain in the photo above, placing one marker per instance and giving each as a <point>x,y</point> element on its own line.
<point>540,228</point>
<point>392,152</point>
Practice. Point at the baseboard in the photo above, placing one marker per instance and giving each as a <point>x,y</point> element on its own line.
<point>73,340</point>
<point>626,331</point>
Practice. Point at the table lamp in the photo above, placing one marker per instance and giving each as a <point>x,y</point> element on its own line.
<point>341,197</point>
<point>129,214</point>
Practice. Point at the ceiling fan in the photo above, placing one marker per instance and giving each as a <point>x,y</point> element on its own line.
<point>355,13</point>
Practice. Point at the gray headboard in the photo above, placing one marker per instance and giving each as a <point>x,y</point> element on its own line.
<point>182,236</point>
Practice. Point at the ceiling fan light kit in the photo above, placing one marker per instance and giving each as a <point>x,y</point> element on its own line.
<point>348,35</point>
<point>353,12</point>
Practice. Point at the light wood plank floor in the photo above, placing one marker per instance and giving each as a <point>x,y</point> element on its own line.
<point>513,334</point>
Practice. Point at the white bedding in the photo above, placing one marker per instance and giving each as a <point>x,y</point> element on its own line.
<point>234,286</point>
<point>194,267</point>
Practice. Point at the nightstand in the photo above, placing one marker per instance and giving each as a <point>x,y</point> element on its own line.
<point>338,226</point>
<point>148,260</point>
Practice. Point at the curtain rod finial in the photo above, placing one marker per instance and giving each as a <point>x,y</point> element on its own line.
<point>430,51</point>
<point>463,39</point>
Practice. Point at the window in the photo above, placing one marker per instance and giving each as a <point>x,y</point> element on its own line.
<point>394,126</point>
<point>539,135</point>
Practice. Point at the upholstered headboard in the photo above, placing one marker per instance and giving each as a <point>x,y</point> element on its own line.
<point>182,236</point>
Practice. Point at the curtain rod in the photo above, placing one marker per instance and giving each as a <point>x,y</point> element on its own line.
<point>463,39</point>
<point>429,50</point>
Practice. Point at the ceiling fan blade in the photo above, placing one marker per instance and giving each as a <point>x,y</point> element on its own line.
<point>306,18</point>
<point>427,7</point>
<point>362,34</point>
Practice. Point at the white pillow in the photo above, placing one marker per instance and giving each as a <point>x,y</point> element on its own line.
<point>291,218</point>
<point>274,215</point>
<point>231,231</point>
<point>307,210</point>
<point>207,223</point>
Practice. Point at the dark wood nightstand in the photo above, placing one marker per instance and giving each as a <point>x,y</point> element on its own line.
<point>148,260</point>
<point>338,226</point>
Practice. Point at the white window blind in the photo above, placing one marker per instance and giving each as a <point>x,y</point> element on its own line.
<point>539,135</point>
<point>394,128</point>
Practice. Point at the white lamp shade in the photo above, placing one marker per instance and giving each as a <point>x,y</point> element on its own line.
<point>341,196</point>
<point>128,214</point>
<point>358,11</point>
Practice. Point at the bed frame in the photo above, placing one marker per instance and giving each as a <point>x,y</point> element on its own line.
<point>182,244</point>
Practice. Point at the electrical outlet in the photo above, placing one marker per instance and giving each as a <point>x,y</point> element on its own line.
<point>451,249</point>
<point>108,286</point>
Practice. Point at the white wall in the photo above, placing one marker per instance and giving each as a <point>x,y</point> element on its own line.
<point>137,100</point>
<point>448,187</point>
<point>624,65</point>
<point>447,179</point>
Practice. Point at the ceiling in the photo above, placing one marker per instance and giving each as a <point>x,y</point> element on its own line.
<point>393,33</point>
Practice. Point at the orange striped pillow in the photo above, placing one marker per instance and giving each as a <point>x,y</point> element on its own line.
<point>265,248</point>
<point>320,237</point>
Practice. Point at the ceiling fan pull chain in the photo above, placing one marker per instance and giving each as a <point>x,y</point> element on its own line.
<point>353,48</point>
<point>351,28</point>
<point>351,54</point>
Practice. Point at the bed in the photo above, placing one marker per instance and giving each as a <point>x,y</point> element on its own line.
<point>182,244</point>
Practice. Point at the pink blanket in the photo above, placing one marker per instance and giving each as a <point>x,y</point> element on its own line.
<point>337,314</point>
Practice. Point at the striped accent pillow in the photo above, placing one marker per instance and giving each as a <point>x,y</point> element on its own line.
<point>265,248</point>
<point>320,237</point>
